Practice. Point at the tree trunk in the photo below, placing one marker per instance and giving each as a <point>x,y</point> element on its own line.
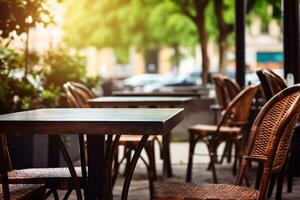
<point>176,57</point>
<point>223,45</point>
<point>204,51</point>
<point>203,37</point>
<point>224,30</point>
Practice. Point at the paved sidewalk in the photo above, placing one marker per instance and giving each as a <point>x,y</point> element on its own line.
<point>139,187</point>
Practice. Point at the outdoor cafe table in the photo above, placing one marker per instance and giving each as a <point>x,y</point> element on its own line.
<point>97,124</point>
<point>158,94</point>
<point>150,102</point>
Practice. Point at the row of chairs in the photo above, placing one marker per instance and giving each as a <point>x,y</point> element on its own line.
<point>268,143</point>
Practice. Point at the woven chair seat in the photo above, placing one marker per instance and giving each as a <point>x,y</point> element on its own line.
<point>60,176</point>
<point>192,191</point>
<point>135,139</point>
<point>204,129</point>
<point>24,191</point>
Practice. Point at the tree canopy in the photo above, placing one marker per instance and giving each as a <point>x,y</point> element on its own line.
<point>19,15</point>
<point>146,23</point>
<point>121,23</point>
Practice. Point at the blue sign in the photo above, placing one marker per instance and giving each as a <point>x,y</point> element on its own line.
<point>266,57</point>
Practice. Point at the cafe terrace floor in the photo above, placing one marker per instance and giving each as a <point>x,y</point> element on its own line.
<point>139,186</point>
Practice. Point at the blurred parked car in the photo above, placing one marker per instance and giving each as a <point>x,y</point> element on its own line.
<point>139,81</point>
<point>189,79</point>
<point>171,80</point>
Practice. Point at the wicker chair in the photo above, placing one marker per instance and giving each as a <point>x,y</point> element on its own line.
<point>77,95</point>
<point>221,99</point>
<point>268,142</point>
<point>23,192</point>
<point>229,127</point>
<point>272,84</point>
<point>232,89</point>
<point>32,178</point>
<point>16,191</point>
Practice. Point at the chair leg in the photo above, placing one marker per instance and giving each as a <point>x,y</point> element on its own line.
<point>290,173</point>
<point>192,143</point>
<point>67,194</point>
<point>213,167</point>
<point>116,167</point>
<point>55,195</point>
<point>236,158</point>
<point>229,152</point>
<point>225,152</point>
<point>151,171</point>
<point>279,185</point>
<point>128,158</point>
<point>271,185</point>
<point>260,168</point>
<point>212,150</point>
<point>151,156</point>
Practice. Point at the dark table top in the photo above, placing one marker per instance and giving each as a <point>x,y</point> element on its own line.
<point>184,88</point>
<point>91,121</point>
<point>148,101</point>
<point>158,94</point>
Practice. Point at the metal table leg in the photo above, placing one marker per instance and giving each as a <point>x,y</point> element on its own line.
<point>167,167</point>
<point>96,177</point>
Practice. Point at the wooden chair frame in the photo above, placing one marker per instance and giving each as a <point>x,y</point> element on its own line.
<point>232,116</point>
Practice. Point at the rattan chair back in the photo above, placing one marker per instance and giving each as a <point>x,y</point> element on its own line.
<point>238,109</point>
<point>266,90</point>
<point>232,88</point>
<point>275,82</point>
<point>271,135</point>
<point>70,96</point>
<point>220,91</point>
<point>78,94</point>
<point>271,83</point>
<point>85,90</point>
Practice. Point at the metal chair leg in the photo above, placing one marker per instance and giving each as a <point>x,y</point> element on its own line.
<point>67,194</point>
<point>55,195</point>
<point>133,162</point>
<point>70,165</point>
<point>151,156</point>
<point>128,158</point>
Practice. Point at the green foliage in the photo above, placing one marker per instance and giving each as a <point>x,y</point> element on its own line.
<point>42,87</point>
<point>171,27</point>
<point>142,24</point>
<point>122,55</point>
<point>147,23</point>
<point>16,92</point>
<point>19,15</point>
<point>59,65</point>
<point>266,10</point>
